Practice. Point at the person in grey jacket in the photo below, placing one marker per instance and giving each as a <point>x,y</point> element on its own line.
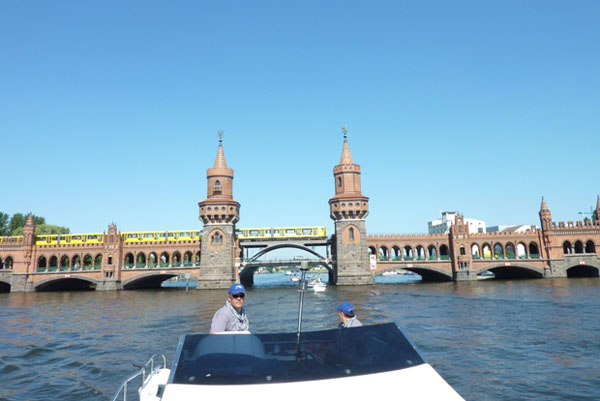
<point>231,317</point>
<point>347,316</point>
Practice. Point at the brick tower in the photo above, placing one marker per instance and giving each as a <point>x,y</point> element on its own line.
<point>23,263</point>
<point>349,209</point>
<point>219,212</point>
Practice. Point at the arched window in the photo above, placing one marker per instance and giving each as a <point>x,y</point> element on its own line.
<point>521,251</point>
<point>498,251</point>
<point>76,263</point>
<point>87,262</point>
<point>187,258</point>
<point>141,260</point>
<point>98,262</point>
<point>590,247</point>
<point>164,259</point>
<point>216,239</point>
<point>197,259</point>
<point>420,252</point>
<point>351,234</point>
<point>486,251</point>
<point>475,251</point>
<point>462,250</point>
<point>578,247</point>
<point>383,253</point>
<point>8,262</point>
<point>176,259</point>
<point>152,260</point>
<point>567,248</point>
<point>41,265</point>
<point>396,253</point>
<point>217,188</point>
<point>339,182</point>
<point>444,254</point>
<point>534,251</point>
<point>129,261</point>
<point>510,251</point>
<point>432,252</point>
<point>64,263</point>
<point>371,250</point>
<point>53,264</point>
<point>408,253</point>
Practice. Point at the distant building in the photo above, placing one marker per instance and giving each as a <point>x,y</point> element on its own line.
<point>511,229</point>
<point>442,226</point>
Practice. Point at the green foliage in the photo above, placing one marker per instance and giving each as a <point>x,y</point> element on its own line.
<point>14,225</point>
<point>44,229</point>
<point>4,227</point>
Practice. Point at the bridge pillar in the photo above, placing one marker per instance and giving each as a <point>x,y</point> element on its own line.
<point>217,269</point>
<point>21,283</point>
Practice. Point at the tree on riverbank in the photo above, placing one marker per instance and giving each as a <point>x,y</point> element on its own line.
<point>14,225</point>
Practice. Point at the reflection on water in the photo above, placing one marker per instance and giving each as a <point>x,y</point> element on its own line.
<point>491,340</point>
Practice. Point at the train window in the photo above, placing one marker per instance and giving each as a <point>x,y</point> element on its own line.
<point>131,235</point>
<point>148,235</point>
<point>254,233</point>
<point>290,231</point>
<point>184,234</point>
<point>307,231</point>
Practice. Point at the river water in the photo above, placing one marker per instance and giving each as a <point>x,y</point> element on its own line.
<point>491,340</point>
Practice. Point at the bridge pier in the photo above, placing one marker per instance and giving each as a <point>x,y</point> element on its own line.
<point>20,283</point>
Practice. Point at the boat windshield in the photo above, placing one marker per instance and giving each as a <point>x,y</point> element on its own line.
<point>263,358</point>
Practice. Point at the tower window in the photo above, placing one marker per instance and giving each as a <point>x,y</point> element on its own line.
<point>351,234</point>
<point>217,239</point>
<point>218,187</point>
<point>339,181</point>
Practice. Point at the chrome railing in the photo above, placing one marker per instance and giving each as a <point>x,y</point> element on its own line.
<point>141,372</point>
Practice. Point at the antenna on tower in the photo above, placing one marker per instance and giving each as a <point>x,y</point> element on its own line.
<point>345,131</point>
<point>591,212</point>
<point>220,132</point>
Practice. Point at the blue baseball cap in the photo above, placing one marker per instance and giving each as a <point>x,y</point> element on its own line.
<point>346,308</point>
<point>236,289</point>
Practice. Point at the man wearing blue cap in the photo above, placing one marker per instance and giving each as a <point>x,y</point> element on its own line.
<point>347,316</point>
<point>231,317</point>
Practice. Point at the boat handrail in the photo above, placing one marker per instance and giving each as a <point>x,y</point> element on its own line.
<point>140,372</point>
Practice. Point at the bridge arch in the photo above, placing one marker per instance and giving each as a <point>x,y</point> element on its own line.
<point>75,282</point>
<point>430,273</point>
<point>151,279</point>
<point>585,270</point>
<point>5,285</point>
<point>515,270</point>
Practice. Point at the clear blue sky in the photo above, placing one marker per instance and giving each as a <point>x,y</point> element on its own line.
<point>109,110</point>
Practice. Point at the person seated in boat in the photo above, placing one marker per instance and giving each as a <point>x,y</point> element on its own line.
<point>347,316</point>
<point>232,316</point>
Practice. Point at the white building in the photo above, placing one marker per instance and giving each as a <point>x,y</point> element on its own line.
<point>442,226</point>
<point>511,229</point>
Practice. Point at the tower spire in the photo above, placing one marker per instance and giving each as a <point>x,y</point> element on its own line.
<point>220,161</point>
<point>346,158</point>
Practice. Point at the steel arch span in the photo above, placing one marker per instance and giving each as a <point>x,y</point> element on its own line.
<point>280,246</point>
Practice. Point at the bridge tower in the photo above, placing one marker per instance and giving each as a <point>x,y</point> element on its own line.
<point>460,251</point>
<point>349,209</point>
<point>546,224</point>
<point>23,263</point>
<point>219,212</point>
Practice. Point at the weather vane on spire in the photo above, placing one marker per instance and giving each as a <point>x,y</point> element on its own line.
<point>220,132</point>
<point>345,131</point>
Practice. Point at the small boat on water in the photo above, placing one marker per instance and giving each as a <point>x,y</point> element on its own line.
<point>295,278</point>
<point>371,361</point>
<point>389,273</point>
<point>319,287</point>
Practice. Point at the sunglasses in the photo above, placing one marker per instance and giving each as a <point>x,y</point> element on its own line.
<point>238,296</point>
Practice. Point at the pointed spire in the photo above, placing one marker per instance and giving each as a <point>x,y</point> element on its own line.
<point>29,220</point>
<point>346,155</point>
<point>544,206</point>
<point>220,159</point>
<point>598,203</point>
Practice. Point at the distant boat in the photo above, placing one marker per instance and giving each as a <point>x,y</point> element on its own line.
<point>294,278</point>
<point>319,287</point>
<point>389,273</point>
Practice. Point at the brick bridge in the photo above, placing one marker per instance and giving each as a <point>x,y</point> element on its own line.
<point>213,255</point>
